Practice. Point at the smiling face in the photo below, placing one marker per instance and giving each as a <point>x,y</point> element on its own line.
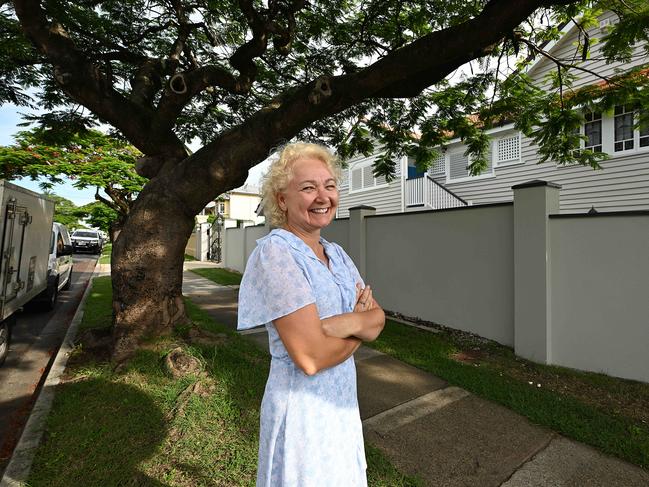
<point>311,197</point>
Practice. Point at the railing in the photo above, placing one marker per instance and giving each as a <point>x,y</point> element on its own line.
<point>425,191</point>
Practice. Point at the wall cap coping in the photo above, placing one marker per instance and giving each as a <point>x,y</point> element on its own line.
<point>598,214</point>
<point>442,210</point>
<point>536,183</point>
<point>362,207</point>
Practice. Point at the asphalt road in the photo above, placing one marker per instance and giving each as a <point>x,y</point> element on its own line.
<point>34,342</point>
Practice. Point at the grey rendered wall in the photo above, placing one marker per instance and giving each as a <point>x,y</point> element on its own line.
<point>240,242</point>
<point>338,231</point>
<point>252,235</point>
<point>600,280</point>
<point>451,267</point>
<point>190,248</point>
<point>234,255</point>
<point>561,289</point>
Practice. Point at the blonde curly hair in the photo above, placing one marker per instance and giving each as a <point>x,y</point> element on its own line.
<point>280,172</point>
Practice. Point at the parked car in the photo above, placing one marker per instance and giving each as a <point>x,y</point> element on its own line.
<point>87,240</point>
<point>59,265</point>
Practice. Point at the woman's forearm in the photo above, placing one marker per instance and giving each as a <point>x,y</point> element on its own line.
<point>333,353</point>
<point>365,325</point>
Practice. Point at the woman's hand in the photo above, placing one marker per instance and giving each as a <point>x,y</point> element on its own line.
<point>364,299</point>
<point>364,322</point>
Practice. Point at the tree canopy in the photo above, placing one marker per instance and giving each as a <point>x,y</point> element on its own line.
<point>64,147</point>
<point>166,73</point>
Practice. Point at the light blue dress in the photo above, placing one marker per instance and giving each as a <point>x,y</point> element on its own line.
<point>311,433</point>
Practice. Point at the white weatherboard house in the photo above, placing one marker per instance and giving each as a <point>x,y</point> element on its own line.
<point>237,207</point>
<point>622,184</point>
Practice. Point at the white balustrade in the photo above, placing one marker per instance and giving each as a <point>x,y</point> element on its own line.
<point>424,191</point>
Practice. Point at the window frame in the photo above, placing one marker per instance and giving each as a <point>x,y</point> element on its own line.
<point>495,163</point>
<point>360,165</point>
<point>444,171</point>
<point>602,132</point>
<point>634,143</point>
<point>485,175</point>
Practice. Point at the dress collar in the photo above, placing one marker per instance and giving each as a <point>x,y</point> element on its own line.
<point>298,244</point>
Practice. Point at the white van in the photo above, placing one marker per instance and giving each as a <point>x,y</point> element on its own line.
<point>25,234</point>
<point>59,264</point>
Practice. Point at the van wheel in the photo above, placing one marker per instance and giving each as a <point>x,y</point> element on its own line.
<point>52,296</point>
<point>68,283</point>
<point>4,341</point>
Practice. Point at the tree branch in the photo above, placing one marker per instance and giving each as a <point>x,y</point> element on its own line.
<point>85,82</point>
<point>122,205</point>
<point>402,73</point>
<point>109,203</point>
<point>184,86</point>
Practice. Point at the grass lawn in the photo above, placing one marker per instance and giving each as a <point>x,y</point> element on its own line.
<point>141,426</point>
<point>608,413</point>
<point>105,254</point>
<point>219,276</point>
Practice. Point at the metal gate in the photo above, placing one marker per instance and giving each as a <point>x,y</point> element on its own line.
<point>214,238</point>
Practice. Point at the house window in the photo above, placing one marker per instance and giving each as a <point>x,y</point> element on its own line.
<point>357,179</point>
<point>221,209</point>
<point>623,124</point>
<point>593,131</point>
<point>458,165</point>
<point>362,177</point>
<point>644,136</point>
<point>508,149</point>
<point>438,166</point>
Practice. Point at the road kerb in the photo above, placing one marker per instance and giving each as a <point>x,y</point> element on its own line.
<point>16,473</point>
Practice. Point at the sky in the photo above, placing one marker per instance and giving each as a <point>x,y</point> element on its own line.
<point>9,120</point>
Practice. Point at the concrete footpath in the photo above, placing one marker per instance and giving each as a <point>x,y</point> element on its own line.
<point>444,434</point>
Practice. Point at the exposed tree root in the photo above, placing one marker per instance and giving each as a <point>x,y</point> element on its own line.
<point>180,364</point>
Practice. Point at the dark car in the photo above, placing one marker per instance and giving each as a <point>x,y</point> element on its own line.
<point>87,240</point>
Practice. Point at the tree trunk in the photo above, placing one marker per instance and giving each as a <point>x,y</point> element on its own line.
<point>115,229</point>
<point>146,268</point>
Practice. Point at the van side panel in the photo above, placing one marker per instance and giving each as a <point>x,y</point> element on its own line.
<point>26,229</point>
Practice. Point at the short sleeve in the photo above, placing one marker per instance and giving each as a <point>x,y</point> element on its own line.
<point>273,285</point>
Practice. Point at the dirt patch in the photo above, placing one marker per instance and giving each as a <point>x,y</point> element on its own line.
<point>468,356</point>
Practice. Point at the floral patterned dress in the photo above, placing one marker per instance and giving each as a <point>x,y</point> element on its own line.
<point>311,433</point>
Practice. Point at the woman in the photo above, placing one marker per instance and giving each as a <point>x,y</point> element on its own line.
<point>311,298</point>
